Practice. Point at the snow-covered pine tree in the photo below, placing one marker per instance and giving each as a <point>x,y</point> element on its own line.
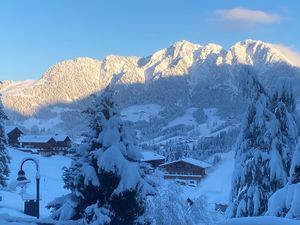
<point>258,169</point>
<point>73,205</point>
<point>4,159</point>
<point>283,105</point>
<point>106,181</point>
<point>286,201</point>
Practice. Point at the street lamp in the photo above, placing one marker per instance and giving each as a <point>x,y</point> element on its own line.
<point>31,207</point>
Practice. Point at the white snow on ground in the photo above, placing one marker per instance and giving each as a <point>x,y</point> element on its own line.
<point>298,106</point>
<point>141,112</point>
<point>187,119</point>
<point>51,184</point>
<point>263,220</point>
<point>46,124</point>
<point>211,122</point>
<point>60,110</point>
<point>217,185</point>
<point>205,128</point>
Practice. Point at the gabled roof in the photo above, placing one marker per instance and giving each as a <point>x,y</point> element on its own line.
<point>60,137</point>
<point>148,156</point>
<point>191,161</point>
<point>35,139</point>
<point>9,129</point>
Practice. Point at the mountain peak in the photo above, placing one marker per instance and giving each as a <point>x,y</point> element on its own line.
<point>191,63</point>
<point>184,44</point>
<point>256,52</point>
<point>251,41</point>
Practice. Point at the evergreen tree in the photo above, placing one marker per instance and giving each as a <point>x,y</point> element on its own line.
<point>105,179</point>
<point>4,159</point>
<point>261,162</point>
<point>295,168</point>
<point>284,107</point>
<point>286,201</point>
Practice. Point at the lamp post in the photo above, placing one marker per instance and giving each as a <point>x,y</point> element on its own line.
<point>31,208</point>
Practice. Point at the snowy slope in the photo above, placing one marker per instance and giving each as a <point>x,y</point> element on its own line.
<point>187,119</point>
<point>16,87</point>
<point>217,185</point>
<point>51,184</point>
<point>184,75</point>
<point>140,112</point>
<point>62,82</point>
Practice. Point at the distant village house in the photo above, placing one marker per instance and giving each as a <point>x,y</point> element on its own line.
<point>46,145</point>
<point>13,134</point>
<point>63,142</point>
<point>153,158</point>
<point>187,170</point>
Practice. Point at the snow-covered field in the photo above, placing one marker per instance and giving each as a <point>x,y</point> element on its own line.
<point>51,183</point>
<point>212,121</point>
<point>140,112</point>
<point>263,220</point>
<point>46,124</point>
<point>187,119</point>
<point>216,186</point>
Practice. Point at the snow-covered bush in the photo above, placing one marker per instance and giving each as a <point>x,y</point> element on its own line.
<point>168,206</point>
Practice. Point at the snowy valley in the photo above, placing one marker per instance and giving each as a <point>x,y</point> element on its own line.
<point>192,134</point>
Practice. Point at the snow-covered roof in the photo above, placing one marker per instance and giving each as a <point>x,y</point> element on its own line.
<point>182,175</point>
<point>9,129</point>
<point>60,137</point>
<point>192,161</point>
<point>34,138</point>
<point>148,156</point>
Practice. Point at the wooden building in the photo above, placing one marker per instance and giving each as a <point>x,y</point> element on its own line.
<point>153,158</point>
<point>13,133</point>
<point>44,144</point>
<point>63,142</point>
<point>189,171</point>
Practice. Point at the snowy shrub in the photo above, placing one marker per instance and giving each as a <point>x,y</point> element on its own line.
<point>169,207</point>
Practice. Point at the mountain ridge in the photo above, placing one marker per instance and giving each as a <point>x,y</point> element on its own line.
<point>183,73</point>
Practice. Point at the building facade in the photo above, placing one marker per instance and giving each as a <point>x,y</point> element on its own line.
<point>189,171</point>
<point>13,134</point>
<point>44,144</point>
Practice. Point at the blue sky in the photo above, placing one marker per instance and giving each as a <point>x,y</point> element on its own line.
<point>35,34</point>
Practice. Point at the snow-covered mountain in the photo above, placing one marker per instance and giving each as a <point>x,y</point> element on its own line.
<point>182,75</point>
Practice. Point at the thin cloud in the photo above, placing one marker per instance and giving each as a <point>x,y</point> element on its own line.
<point>243,18</point>
<point>289,52</point>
